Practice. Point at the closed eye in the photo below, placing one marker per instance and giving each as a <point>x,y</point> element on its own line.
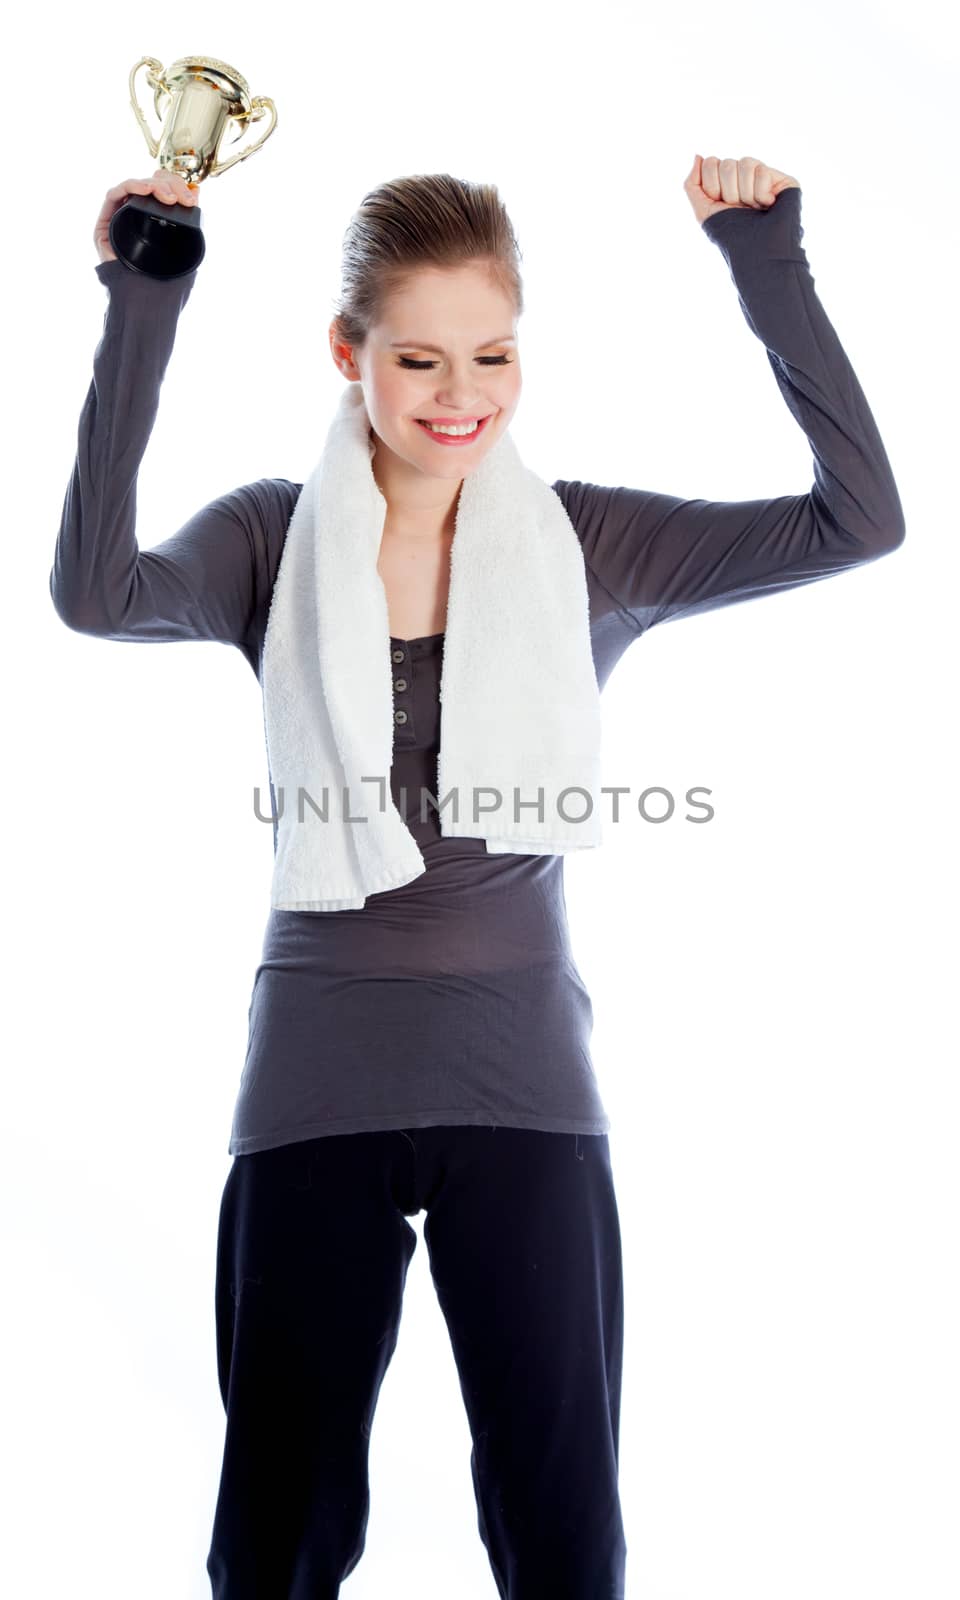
<point>485,361</point>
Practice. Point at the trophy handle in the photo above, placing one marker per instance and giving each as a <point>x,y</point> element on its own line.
<point>153,145</point>
<point>260,105</point>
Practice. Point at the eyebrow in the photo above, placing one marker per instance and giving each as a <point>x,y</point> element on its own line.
<point>414,344</point>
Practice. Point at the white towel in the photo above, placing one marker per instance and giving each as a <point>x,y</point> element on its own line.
<point>520,702</point>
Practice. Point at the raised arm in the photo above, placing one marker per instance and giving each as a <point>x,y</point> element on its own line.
<point>661,557</point>
<point>205,580</point>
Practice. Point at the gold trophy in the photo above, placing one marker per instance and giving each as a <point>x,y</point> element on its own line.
<point>153,236</point>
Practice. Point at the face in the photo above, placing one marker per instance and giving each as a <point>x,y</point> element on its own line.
<point>474,372</point>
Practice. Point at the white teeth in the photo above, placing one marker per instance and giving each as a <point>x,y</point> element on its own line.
<point>467,427</point>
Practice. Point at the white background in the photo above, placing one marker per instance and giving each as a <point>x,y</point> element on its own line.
<point>774,1039</point>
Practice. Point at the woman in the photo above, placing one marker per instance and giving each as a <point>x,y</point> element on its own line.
<point>430,1050</point>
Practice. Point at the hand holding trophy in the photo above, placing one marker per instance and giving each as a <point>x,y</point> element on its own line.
<point>159,236</point>
<point>167,186</point>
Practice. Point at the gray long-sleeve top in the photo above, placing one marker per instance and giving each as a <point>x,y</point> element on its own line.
<point>455,998</point>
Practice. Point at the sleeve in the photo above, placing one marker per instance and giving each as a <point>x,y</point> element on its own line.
<point>660,557</point>
<point>202,582</point>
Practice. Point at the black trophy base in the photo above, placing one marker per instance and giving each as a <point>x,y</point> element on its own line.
<point>159,238</point>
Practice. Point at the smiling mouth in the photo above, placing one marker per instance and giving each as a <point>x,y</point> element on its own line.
<point>435,433</point>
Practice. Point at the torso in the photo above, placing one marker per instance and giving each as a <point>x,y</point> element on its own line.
<point>416,576</point>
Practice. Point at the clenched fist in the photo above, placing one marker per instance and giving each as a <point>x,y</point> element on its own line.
<point>713,185</point>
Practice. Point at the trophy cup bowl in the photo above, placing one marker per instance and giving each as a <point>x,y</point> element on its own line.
<point>155,237</point>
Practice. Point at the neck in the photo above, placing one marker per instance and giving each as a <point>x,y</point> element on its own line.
<point>418,508</point>
<point>395,526</point>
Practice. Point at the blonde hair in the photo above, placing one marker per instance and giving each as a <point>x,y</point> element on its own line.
<point>427,220</point>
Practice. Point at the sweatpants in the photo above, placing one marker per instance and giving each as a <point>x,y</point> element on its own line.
<point>313,1247</point>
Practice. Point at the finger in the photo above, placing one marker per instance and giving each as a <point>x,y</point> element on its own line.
<point>172,190</point>
<point>729,187</point>
<point>179,188</point>
<point>692,180</point>
<point>710,178</point>
<point>746,180</point>
<point>763,185</point>
<point>132,186</point>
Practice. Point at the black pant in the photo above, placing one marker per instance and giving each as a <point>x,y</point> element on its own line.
<point>312,1255</point>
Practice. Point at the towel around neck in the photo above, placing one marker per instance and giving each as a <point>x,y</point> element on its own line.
<point>520,735</point>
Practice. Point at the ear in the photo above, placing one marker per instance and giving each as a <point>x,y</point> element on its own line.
<point>341,352</point>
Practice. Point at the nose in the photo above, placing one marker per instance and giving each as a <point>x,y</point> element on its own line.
<point>460,402</point>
